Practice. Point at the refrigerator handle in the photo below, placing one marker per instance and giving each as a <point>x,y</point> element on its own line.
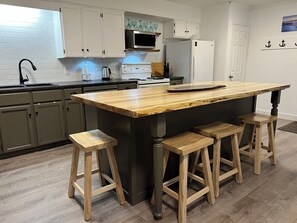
<point>193,69</point>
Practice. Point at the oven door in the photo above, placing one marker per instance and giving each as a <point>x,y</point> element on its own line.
<point>152,85</point>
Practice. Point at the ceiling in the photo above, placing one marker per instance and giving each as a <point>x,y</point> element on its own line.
<point>202,3</point>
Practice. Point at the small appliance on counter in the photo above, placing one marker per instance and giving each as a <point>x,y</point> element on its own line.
<point>106,73</point>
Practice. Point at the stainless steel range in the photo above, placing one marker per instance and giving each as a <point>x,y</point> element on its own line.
<point>142,72</point>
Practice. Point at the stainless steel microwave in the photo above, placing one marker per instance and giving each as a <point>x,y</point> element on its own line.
<point>138,39</point>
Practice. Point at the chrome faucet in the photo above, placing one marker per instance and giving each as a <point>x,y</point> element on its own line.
<point>23,80</point>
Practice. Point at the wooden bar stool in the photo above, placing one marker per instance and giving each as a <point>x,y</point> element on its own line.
<point>184,144</point>
<point>218,131</point>
<point>260,151</point>
<point>88,142</point>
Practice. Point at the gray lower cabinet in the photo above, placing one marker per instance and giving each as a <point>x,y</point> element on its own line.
<point>74,117</point>
<point>30,119</point>
<point>49,116</point>
<point>74,112</point>
<point>16,128</point>
<point>49,120</point>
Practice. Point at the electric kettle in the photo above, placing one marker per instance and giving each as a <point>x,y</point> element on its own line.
<point>106,73</point>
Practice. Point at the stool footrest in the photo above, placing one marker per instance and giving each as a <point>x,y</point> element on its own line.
<point>193,197</point>
<point>95,192</point>
<point>269,154</point>
<point>103,189</point>
<point>170,192</point>
<point>227,162</point>
<point>106,177</point>
<point>228,174</point>
<point>81,175</point>
<point>80,190</point>
<point>245,147</point>
<point>197,178</point>
<point>252,155</point>
<point>198,194</point>
<point>171,181</point>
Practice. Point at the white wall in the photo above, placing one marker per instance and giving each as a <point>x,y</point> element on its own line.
<point>276,66</point>
<point>214,26</point>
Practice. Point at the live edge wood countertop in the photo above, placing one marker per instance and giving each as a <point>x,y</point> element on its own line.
<point>142,102</point>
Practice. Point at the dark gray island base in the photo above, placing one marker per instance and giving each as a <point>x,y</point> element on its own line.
<point>134,153</point>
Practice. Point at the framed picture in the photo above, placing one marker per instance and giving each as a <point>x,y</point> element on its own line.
<point>289,23</point>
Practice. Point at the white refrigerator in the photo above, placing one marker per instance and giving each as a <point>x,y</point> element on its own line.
<point>191,59</point>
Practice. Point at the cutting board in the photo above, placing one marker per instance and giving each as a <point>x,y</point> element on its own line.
<point>158,69</point>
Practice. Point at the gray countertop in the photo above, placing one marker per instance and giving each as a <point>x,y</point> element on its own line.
<point>61,85</point>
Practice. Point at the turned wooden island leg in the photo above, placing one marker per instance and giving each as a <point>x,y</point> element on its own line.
<point>158,130</point>
<point>275,100</point>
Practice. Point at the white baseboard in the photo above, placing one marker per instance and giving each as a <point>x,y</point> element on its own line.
<point>280,115</point>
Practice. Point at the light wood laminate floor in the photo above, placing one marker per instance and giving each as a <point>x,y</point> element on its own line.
<point>33,188</point>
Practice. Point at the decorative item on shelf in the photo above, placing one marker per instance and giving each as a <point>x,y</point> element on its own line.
<point>140,28</point>
<point>279,43</point>
<point>145,25</point>
<point>134,23</point>
<point>155,26</point>
<point>151,28</point>
<point>141,25</point>
<point>282,44</point>
<point>128,24</point>
<point>268,44</point>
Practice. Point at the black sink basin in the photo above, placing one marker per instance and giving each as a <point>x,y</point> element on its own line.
<point>39,85</point>
<point>10,86</point>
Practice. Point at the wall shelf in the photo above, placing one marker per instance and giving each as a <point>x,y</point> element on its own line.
<point>279,43</point>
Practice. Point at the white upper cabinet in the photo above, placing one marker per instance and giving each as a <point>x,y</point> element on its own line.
<point>113,34</point>
<point>71,21</point>
<point>90,32</point>
<point>180,29</point>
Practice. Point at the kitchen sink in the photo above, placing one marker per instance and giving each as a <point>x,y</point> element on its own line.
<point>11,86</point>
<point>39,85</point>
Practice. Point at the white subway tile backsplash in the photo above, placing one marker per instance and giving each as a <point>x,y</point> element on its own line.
<point>33,38</point>
<point>22,38</point>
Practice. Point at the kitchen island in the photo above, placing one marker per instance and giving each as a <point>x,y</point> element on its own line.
<point>140,118</point>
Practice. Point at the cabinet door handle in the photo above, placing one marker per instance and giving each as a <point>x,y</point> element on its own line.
<point>67,109</point>
<point>36,113</point>
<point>30,115</point>
<point>88,50</point>
<point>82,50</point>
